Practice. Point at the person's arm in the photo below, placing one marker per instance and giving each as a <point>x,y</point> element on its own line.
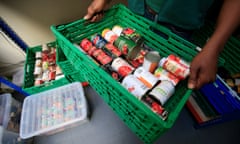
<point>204,66</point>
<point>95,9</point>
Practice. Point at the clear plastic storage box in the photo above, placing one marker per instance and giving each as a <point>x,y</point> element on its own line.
<point>53,111</point>
<point>10,112</point>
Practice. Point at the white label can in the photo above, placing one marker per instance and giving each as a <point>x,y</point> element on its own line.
<point>134,86</point>
<point>163,91</point>
<point>146,77</point>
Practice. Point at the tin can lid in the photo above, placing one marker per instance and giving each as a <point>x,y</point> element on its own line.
<point>153,56</point>
<point>117,29</point>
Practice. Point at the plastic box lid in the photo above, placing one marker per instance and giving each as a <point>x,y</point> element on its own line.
<point>53,111</point>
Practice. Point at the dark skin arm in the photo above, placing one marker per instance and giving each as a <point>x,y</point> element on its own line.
<point>204,66</point>
<point>94,11</point>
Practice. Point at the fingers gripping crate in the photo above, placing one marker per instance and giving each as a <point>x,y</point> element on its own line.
<point>137,116</point>
<point>29,77</point>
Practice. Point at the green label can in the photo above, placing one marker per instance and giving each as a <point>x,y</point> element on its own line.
<point>128,47</point>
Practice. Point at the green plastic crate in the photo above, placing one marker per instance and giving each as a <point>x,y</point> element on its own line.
<point>28,84</point>
<point>147,125</point>
<point>231,51</point>
<point>68,69</point>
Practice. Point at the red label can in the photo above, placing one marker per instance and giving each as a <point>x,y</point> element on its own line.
<point>122,66</point>
<point>101,56</point>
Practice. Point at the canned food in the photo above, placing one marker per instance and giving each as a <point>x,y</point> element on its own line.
<point>163,74</point>
<point>38,81</point>
<point>176,66</point>
<point>112,50</point>
<point>38,55</point>
<point>37,70</point>
<point>45,76</point>
<point>146,77</point>
<point>155,107</point>
<point>86,44</point>
<point>109,35</point>
<point>38,63</point>
<point>115,75</point>
<point>127,47</point>
<point>122,66</point>
<point>45,65</point>
<point>51,75</point>
<point>134,86</point>
<point>163,91</point>
<point>45,48</point>
<point>91,50</point>
<point>117,30</point>
<point>132,35</point>
<point>98,40</point>
<point>151,60</point>
<point>101,56</point>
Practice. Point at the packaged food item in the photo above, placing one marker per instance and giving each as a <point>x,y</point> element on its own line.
<point>128,33</point>
<point>163,74</point>
<point>128,47</point>
<point>122,66</point>
<point>146,77</point>
<point>163,91</point>
<point>151,61</point>
<point>134,86</point>
<point>176,66</point>
<point>109,35</point>
<point>155,106</point>
<point>98,40</point>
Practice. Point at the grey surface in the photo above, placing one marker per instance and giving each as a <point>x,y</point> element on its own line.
<point>104,127</point>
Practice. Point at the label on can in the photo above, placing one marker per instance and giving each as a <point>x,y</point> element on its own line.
<point>134,86</point>
<point>115,75</point>
<point>117,30</point>
<point>91,50</point>
<point>122,66</point>
<point>132,35</point>
<point>151,60</point>
<point>38,55</point>
<point>101,56</point>
<point>45,48</point>
<point>145,77</point>
<point>127,47</point>
<point>37,70</point>
<point>86,44</point>
<point>52,75</point>
<point>98,40</point>
<point>38,63</point>
<point>155,106</point>
<point>163,74</point>
<point>109,35</point>
<point>112,49</point>
<point>163,91</point>
<point>45,76</point>
<point>176,66</point>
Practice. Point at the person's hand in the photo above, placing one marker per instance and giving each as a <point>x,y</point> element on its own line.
<point>95,10</point>
<point>203,69</point>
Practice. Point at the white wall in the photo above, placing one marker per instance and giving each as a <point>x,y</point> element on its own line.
<point>31,20</point>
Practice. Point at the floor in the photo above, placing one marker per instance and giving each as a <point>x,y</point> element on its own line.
<point>105,127</point>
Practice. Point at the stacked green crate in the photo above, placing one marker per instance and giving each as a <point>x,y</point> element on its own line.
<point>29,77</point>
